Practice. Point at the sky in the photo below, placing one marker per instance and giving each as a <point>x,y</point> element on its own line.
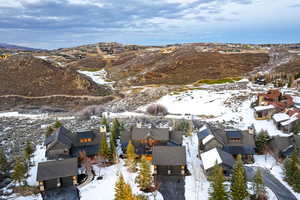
<point>52,24</point>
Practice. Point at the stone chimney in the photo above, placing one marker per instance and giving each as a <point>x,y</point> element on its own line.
<point>139,124</point>
<point>102,129</point>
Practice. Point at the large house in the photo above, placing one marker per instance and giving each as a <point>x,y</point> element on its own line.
<point>270,103</point>
<point>169,160</point>
<point>217,156</point>
<point>57,174</point>
<point>145,138</point>
<point>283,147</point>
<point>232,141</point>
<point>65,144</point>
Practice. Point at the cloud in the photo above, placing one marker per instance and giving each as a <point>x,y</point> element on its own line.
<point>70,21</point>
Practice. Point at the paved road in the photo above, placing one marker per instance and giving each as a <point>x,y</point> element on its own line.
<point>281,192</point>
<point>171,187</point>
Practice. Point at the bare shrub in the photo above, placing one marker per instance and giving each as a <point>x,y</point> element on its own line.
<point>157,109</point>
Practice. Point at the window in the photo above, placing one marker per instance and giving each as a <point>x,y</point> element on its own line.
<point>85,140</point>
<point>235,139</point>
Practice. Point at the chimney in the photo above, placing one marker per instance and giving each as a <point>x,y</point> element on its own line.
<point>102,129</point>
<point>139,124</point>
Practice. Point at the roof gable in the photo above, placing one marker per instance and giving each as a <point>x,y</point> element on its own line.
<point>57,169</point>
<point>169,155</point>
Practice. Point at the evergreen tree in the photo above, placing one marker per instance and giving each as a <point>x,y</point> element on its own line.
<point>131,156</point>
<point>239,182</point>
<point>261,141</point>
<point>217,190</point>
<point>120,188</point>
<point>258,185</point>
<point>128,193</point>
<point>104,150</point>
<point>49,131</point>
<point>113,157</point>
<point>28,151</point>
<point>114,134</point>
<point>104,122</point>
<point>3,162</point>
<point>57,124</point>
<point>19,171</point>
<point>144,178</point>
<point>292,171</point>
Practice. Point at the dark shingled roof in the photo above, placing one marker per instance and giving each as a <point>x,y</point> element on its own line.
<point>280,143</point>
<point>226,158</point>
<point>57,169</point>
<point>176,137</point>
<point>61,135</point>
<point>204,133</point>
<point>161,134</point>
<point>168,155</point>
<point>243,150</point>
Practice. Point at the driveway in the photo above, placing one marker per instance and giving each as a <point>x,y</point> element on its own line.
<point>281,192</point>
<point>171,187</point>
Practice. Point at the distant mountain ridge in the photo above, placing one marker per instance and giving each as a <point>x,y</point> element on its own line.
<point>12,46</point>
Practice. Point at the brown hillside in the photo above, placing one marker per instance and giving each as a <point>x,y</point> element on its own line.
<point>89,62</point>
<point>29,76</point>
<point>292,67</point>
<point>183,66</point>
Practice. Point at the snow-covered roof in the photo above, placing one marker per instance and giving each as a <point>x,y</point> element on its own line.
<point>207,139</point>
<point>210,158</point>
<point>261,108</point>
<point>291,120</point>
<point>280,117</point>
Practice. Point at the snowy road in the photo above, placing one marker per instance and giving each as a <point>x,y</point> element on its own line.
<point>281,192</point>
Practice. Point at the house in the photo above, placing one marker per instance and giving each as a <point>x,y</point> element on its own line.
<point>57,174</point>
<point>283,147</point>
<point>270,103</point>
<point>208,140</point>
<point>169,160</point>
<point>144,138</point>
<point>278,118</point>
<point>292,124</point>
<point>232,141</point>
<point>264,112</point>
<point>65,144</point>
<point>217,156</point>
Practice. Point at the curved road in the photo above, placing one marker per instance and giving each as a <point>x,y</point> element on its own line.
<point>281,192</point>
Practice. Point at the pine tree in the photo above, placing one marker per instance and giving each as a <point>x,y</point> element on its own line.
<point>128,195</point>
<point>120,188</point>
<point>49,131</point>
<point>3,163</point>
<point>239,182</point>
<point>105,122</point>
<point>131,156</point>
<point>104,150</point>
<point>218,190</point>
<point>261,141</point>
<point>116,127</point>
<point>144,178</point>
<point>258,185</point>
<point>113,157</point>
<point>292,171</point>
<point>19,172</point>
<point>114,134</point>
<point>57,124</point>
<point>28,151</point>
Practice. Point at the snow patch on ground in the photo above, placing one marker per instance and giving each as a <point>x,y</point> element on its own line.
<point>38,156</point>
<point>21,115</point>
<point>99,77</point>
<point>105,187</point>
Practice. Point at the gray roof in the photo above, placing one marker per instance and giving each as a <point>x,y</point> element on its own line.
<point>176,137</point>
<point>226,158</point>
<point>280,143</point>
<point>297,140</point>
<point>57,169</point>
<point>168,155</point>
<point>62,136</point>
<point>161,134</point>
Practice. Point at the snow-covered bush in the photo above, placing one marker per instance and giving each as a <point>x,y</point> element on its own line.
<point>157,109</point>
